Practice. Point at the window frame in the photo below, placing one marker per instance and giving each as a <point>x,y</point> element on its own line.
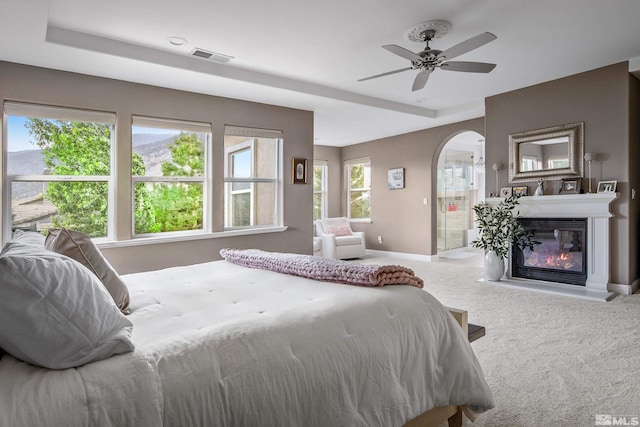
<point>529,159</point>
<point>251,134</point>
<point>205,179</point>
<point>324,165</point>
<point>229,152</point>
<point>558,162</point>
<point>349,190</point>
<point>29,110</point>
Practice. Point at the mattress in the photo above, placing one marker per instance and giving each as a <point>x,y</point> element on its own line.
<point>218,344</point>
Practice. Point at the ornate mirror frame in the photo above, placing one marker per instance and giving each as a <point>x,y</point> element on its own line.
<point>575,133</point>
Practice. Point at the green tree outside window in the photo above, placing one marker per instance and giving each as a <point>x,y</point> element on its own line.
<point>71,148</point>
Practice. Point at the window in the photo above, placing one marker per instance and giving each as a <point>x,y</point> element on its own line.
<point>252,175</point>
<point>169,175</point>
<point>528,163</point>
<point>358,173</point>
<point>61,171</point>
<point>58,170</point>
<point>240,210</point>
<point>319,189</point>
<point>557,162</point>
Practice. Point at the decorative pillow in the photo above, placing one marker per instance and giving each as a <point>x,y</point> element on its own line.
<point>55,312</point>
<point>342,230</point>
<point>80,247</point>
<point>28,238</point>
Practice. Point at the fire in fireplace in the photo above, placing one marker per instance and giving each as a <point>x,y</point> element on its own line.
<point>561,255</point>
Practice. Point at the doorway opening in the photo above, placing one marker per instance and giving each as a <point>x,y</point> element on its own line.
<point>460,185</point>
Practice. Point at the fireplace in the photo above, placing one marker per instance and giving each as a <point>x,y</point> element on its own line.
<point>596,209</point>
<point>561,255</point>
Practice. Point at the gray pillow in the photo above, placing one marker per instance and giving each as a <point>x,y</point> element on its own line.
<point>28,237</point>
<point>80,247</point>
<point>55,312</point>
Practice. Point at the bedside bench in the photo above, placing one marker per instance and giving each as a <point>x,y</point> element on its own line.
<point>475,332</point>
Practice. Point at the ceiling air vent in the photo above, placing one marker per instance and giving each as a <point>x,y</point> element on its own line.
<point>212,56</point>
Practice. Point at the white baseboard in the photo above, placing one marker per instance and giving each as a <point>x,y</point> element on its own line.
<point>402,255</point>
<point>624,289</point>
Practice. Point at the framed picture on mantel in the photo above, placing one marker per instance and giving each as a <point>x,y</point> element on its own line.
<point>570,186</point>
<point>607,186</point>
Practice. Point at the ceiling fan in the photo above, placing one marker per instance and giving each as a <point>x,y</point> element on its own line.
<point>429,59</point>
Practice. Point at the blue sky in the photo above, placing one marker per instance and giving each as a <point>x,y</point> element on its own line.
<point>17,135</point>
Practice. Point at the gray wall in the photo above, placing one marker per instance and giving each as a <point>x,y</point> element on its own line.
<point>606,99</point>
<point>599,98</point>
<point>634,177</point>
<point>400,216</point>
<point>44,86</point>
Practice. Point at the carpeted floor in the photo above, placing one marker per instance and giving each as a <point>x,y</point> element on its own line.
<point>550,360</point>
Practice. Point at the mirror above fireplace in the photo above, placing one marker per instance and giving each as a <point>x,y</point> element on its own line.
<point>550,153</point>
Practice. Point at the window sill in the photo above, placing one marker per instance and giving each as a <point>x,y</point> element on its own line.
<point>361,221</point>
<point>142,241</point>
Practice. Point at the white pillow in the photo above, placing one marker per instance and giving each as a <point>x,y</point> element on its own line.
<point>55,313</point>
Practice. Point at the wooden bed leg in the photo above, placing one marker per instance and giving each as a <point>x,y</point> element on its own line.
<point>456,419</point>
<point>462,317</point>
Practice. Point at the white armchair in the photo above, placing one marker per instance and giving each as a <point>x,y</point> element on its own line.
<point>338,240</point>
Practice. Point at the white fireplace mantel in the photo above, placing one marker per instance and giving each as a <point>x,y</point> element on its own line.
<point>597,209</point>
<point>596,205</point>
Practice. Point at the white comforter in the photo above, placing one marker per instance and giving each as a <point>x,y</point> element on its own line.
<point>222,345</point>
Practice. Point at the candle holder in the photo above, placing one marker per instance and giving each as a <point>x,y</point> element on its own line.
<point>589,157</point>
<point>496,167</point>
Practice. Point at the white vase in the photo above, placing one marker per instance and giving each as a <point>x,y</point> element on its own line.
<point>493,266</point>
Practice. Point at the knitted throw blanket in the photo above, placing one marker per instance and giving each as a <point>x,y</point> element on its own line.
<point>329,270</point>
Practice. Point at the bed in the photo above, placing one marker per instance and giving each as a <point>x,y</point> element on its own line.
<point>219,344</point>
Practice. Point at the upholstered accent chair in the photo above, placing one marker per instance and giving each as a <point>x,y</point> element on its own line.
<point>339,241</point>
<point>317,246</point>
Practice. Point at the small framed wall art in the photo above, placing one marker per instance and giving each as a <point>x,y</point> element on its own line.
<point>299,171</point>
<point>395,178</point>
<point>607,186</point>
<point>570,186</point>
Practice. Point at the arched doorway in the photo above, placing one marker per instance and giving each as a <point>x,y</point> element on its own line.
<point>460,185</point>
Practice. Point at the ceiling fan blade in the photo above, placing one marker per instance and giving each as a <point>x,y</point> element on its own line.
<point>469,67</point>
<point>385,74</point>
<point>467,45</point>
<point>421,80</point>
<point>405,53</point>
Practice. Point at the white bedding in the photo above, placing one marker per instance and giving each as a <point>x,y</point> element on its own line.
<point>222,345</point>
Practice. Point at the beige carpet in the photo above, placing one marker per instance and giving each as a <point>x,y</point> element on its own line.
<point>550,360</point>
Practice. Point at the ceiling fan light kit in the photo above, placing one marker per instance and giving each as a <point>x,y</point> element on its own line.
<point>429,59</point>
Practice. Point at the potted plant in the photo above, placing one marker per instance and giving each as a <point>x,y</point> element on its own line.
<point>499,229</point>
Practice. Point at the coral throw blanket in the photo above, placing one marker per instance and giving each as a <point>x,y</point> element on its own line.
<point>326,269</point>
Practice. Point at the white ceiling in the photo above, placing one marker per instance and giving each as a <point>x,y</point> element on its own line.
<point>310,54</point>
